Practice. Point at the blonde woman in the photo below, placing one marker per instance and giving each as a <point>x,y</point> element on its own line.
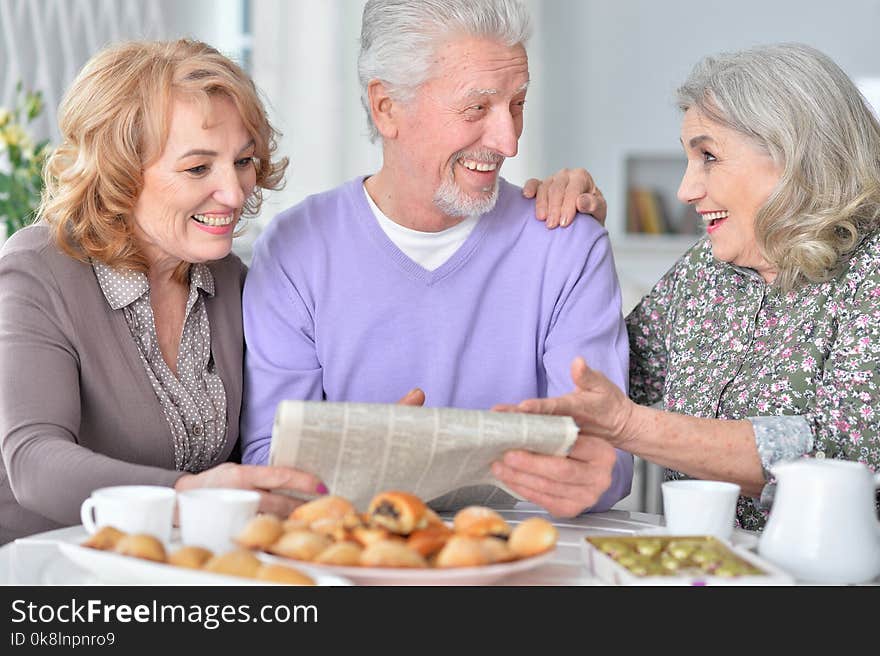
<point>762,342</point>
<point>120,311</point>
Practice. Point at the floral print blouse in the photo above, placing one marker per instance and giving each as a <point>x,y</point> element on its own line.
<point>714,340</point>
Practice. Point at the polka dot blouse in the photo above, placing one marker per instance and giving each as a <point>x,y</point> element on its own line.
<point>193,401</point>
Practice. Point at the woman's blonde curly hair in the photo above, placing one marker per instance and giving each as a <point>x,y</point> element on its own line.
<point>801,108</point>
<point>114,121</point>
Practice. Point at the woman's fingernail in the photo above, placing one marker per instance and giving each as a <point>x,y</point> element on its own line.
<point>322,489</point>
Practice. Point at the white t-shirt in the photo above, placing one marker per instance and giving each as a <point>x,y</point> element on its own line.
<point>427,249</point>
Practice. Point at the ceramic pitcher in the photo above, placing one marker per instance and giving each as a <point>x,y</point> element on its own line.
<point>823,525</point>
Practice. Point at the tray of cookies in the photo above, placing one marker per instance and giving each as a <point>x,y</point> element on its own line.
<point>399,540</point>
<point>696,560</point>
<point>113,556</point>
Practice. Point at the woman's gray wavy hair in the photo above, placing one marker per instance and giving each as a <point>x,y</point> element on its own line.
<point>399,38</point>
<point>798,105</point>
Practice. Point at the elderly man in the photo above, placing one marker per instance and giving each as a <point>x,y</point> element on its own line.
<point>432,272</point>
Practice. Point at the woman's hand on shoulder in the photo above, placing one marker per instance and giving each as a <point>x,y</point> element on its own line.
<point>559,197</point>
<point>271,482</point>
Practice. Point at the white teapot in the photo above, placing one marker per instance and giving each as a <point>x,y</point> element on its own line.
<point>823,527</point>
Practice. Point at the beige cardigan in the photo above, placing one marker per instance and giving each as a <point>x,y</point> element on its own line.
<point>77,411</point>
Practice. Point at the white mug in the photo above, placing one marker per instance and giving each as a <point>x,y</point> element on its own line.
<point>132,509</point>
<point>212,517</point>
<point>700,507</point>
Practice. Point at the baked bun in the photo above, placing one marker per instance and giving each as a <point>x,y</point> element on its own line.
<point>143,546</point>
<point>239,562</point>
<point>391,553</point>
<point>428,541</point>
<point>532,537</point>
<point>497,550</point>
<point>462,551</point>
<point>190,557</point>
<point>105,538</point>
<point>283,574</point>
<point>399,512</point>
<point>480,522</point>
<point>338,530</point>
<point>365,536</point>
<point>326,507</point>
<point>260,532</point>
<point>347,554</point>
<point>300,545</point>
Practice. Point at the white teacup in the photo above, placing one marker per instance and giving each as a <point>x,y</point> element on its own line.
<point>131,509</point>
<point>211,517</point>
<point>700,507</point>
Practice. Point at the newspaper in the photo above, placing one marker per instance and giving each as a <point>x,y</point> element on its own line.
<point>441,455</point>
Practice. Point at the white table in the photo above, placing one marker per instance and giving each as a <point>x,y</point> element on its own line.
<point>37,561</point>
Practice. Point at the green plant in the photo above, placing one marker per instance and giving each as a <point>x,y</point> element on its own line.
<point>21,179</point>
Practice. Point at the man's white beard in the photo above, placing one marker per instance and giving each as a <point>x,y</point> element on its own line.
<point>453,201</point>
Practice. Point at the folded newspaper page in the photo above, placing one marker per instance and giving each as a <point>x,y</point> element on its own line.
<point>441,455</point>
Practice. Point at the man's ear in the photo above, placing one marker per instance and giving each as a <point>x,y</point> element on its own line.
<point>383,109</point>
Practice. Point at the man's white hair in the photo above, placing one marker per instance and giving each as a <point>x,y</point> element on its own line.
<point>399,38</point>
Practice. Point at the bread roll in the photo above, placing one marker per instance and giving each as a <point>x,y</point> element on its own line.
<point>347,554</point>
<point>326,507</point>
<point>462,551</point>
<point>497,550</point>
<point>142,546</point>
<point>260,532</point>
<point>282,574</point>
<point>428,541</point>
<point>391,553</point>
<point>299,544</point>
<point>104,539</point>
<point>479,522</point>
<point>399,512</point>
<point>239,562</point>
<point>190,557</point>
<point>365,536</point>
<point>532,537</point>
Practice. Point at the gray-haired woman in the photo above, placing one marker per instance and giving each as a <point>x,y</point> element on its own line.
<point>762,342</point>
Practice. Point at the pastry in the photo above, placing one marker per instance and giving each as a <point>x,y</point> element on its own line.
<point>260,532</point>
<point>190,557</point>
<point>462,551</point>
<point>399,512</point>
<point>240,562</point>
<point>104,538</point>
<point>293,524</point>
<point>430,540</point>
<point>391,553</point>
<point>479,521</point>
<point>347,554</point>
<point>283,574</point>
<point>326,507</point>
<point>497,550</point>
<point>365,536</point>
<point>142,546</point>
<point>532,537</point>
<point>300,545</point>
<point>335,529</point>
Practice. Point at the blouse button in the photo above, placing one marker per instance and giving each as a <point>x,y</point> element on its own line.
<point>820,455</point>
<point>197,430</point>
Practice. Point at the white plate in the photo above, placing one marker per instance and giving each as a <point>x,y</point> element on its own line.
<point>114,568</point>
<point>739,537</point>
<point>482,575</point>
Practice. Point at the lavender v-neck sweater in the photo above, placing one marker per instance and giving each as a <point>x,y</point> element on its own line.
<point>334,310</point>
